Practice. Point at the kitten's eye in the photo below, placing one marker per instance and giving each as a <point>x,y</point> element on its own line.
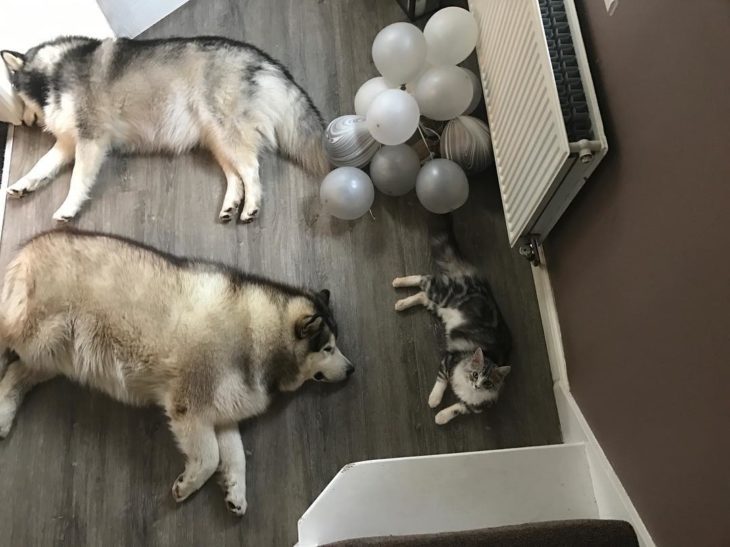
<point>474,375</point>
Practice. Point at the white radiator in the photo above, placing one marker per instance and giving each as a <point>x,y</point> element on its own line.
<point>540,168</point>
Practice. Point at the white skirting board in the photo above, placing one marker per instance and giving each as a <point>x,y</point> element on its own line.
<point>6,150</point>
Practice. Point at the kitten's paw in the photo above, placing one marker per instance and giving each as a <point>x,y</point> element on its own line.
<point>445,416</point>
<point>397,282</point>
<point>434,400</point>
<point>401,305</point>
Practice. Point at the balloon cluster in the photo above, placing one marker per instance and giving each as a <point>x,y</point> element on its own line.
<point>419,77</point>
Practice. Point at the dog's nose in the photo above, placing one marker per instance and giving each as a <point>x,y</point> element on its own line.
<point>350,369</point>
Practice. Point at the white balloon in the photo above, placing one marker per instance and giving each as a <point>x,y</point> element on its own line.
<point>393,117</point>
<point>443,92</point>
<point>442,186</point>
<point>411,85</point>
<point>451,35</point>
<point>399,50</point>
<point>476,96</point>
<point>347,193</point>
<point>394,169</point>
<point>367,93</point>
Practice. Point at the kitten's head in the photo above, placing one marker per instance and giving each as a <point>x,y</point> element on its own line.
<point>484,374</point>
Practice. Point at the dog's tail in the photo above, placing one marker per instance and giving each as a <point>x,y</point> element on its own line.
<point>445,252</point>
<point>297,126</point>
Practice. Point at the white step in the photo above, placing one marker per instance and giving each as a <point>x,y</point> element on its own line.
<point>452,492</point>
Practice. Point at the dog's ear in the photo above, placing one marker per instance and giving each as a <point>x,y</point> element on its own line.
<point>324,296</point>
<point>307,326</point>
<point>13,60</point>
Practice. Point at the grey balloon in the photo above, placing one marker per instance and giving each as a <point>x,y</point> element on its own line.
<point>394,169</point>
<point>442,186</point>
<point>347,193</point>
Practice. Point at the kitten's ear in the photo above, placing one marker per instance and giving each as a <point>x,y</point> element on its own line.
<point>478,358</point>
<point>502,372</point>
<point>13,60</point>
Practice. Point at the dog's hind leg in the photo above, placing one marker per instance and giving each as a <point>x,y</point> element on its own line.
<point>197,441</point>
<point>89,157</point>
<point>247,164</point>
<point>18,380</point>
<point>232,467</point>
<point>240,149</point>
<point>43,172</point>
<point>234,185</point>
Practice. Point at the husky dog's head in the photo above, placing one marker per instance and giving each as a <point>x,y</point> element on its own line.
<point>483,374</point>
<point>34,73</point>
<point>29,79</point>
<point>319,357</point>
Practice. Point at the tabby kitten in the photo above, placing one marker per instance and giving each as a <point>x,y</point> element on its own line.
<point>478,341</point>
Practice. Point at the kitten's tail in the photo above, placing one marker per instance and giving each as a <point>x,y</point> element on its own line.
<point>446,254</point>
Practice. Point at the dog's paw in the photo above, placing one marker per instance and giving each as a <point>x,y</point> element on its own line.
<point>65,214</point>
<point>236,500</point>
<point>7,414</point>
<point>182,488</point>
<point>227,214</point>
<point>19,189</point>
<point>249,214</point>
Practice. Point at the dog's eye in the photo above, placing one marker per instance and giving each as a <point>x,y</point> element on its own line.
<point>328,349</point>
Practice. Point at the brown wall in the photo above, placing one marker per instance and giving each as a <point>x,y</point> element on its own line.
<point>641,264</point>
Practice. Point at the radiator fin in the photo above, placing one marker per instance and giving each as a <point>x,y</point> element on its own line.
<point>526,122</point>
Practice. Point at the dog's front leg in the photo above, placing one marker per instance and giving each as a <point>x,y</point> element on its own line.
<point>45,170</point>
<point>89,157</point>
<point>197,442</point>
<point>232,467</point>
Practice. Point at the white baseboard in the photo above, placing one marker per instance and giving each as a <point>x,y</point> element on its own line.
<point>611,498</point>
<point>7,153</point>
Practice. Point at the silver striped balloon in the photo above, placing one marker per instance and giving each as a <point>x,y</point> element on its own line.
<point>466,141</point>
<point>348,142</point>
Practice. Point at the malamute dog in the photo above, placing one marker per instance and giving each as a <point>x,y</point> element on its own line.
<point>207,343</point>
<point>172,95</point>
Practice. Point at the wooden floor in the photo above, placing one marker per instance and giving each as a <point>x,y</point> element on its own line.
<point>80,469</point>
